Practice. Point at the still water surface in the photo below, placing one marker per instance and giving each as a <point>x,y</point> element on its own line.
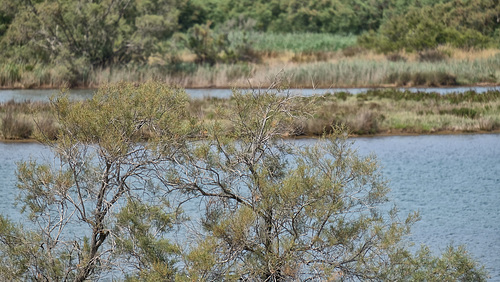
<point>453,180</point>
<point>20,95</point>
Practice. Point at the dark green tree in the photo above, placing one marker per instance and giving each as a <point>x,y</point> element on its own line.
<point>79,35</point>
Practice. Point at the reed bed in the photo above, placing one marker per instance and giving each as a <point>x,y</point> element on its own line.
<point>343,72</point>
<point>337,71</point>
<point>26,120</point>
<point>374,112</point>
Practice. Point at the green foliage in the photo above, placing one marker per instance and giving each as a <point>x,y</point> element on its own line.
<point>8,11</point>
<point>279,212</point>
<point>79,35</point>
<point>455,264</point>
<point>205,44</point>
<point>222,45</point>
<point>140,229</point>
<point>463,24</point>
<point>465,112</point>
<point>332,16</point>
<point>103,163</point>
<point>300,42</point>
<point>62,43</point>
<point>430,79</point>
<point>24,256</point>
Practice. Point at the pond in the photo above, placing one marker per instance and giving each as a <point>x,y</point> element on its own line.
<point>452,180</point>
<point>20,95</point>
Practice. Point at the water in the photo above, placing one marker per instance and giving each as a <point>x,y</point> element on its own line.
<point>10,155</point>
<point>453,180</point>
<point>79,94</point>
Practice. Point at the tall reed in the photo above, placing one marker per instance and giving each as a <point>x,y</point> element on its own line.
<point>337,71</point>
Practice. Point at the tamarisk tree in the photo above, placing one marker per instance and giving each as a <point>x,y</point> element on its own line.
<point>105,152</point>
<point>279,210</point>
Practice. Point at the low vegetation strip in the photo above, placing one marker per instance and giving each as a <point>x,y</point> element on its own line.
<point>303,69</point>
<point>376,112</point>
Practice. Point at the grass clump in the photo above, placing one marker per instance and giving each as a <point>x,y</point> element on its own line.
<point>15,127</point>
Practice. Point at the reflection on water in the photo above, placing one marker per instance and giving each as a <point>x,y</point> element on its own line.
<point>79,94</point>
<point>454,181</point>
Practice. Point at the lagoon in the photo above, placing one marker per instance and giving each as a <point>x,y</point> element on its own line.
<point>452,180</point>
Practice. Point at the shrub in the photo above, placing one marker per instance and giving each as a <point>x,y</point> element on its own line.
<point>342,95</point>
<point>445,79</point>
<point>365,122</point>
<point>400,79</point>
<point>420,78</point>
<point>47,129</point>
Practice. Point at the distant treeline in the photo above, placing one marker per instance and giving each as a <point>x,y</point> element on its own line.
<point>75,36</point>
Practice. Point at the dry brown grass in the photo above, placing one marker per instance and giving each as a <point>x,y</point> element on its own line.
<point>15,126</point>
<point>460,54</point>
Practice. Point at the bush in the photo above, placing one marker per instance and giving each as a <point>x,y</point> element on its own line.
<point>342,95</point>
<point>47,129</point>
<point>365,122</point>
<point>445,79</point>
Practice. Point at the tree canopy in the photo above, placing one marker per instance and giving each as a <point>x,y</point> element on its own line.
<point>78,35</point>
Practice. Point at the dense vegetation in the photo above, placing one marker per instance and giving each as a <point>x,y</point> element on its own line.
<point>52,42</point>
<point>257,208</point>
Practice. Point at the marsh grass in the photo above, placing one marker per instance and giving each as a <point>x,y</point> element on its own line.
<point>23,120</point>
<point>387,111</point>
<point>394,112</point>
<point>307,69</point>
<point>15,126</point>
